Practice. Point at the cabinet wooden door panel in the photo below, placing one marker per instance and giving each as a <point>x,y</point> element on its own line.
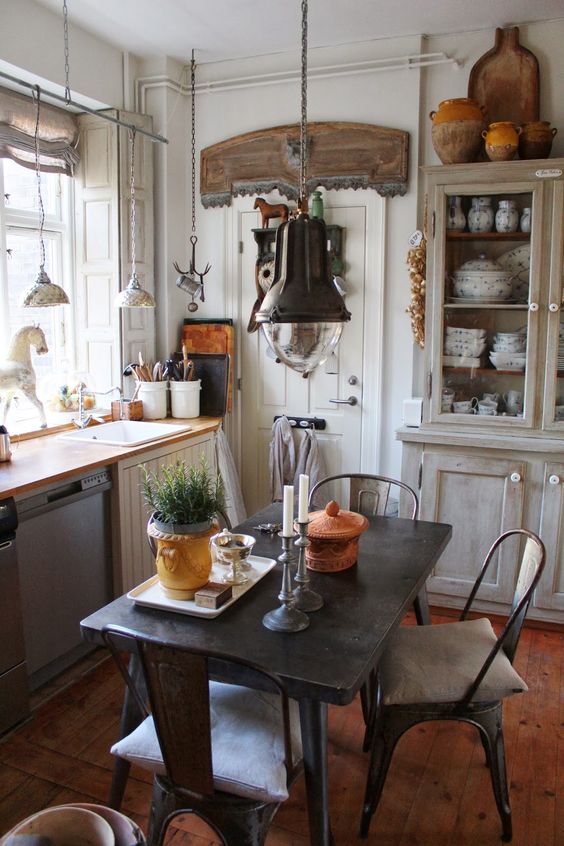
<point>550,592</point>
<point>489,493</point>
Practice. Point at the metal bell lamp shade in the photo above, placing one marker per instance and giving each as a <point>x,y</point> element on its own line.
<point>302,314</point>
<point>43,292</point>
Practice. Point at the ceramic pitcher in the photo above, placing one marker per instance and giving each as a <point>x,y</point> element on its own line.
<point>507,216</point>
<point>481,215</point>
<point>456,219</point>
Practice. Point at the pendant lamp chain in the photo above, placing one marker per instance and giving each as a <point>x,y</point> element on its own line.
<point>67,66</point>
<point>193,89</point>
<point>37,97</point>
<point>303,128</point>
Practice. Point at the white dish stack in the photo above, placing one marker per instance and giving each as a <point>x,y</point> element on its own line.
<point>509,351</point>
<point>464,347</point>
<point>560,363</point>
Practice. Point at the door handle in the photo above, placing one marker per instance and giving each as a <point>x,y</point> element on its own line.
<point>348,401</point>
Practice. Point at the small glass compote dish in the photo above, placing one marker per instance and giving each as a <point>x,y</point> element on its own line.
<point>232,550</point>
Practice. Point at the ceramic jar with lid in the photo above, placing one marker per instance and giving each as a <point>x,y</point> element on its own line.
<point>502,140</point>
<point>334,538</point>
<point>456,219</point>
<point>482,278</point>
<point>507,216</point>
<point>481,215</point>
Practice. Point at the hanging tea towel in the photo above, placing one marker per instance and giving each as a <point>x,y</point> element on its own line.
<point>282,458</point>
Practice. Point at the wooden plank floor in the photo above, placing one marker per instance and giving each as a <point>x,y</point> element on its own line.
<point>438,791</point>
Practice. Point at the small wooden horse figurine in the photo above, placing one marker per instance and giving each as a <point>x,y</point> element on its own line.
<point>16,370</point>
<point>269,210</point>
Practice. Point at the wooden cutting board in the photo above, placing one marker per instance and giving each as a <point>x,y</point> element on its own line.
<point>505,80</point>
<point>201,336</point>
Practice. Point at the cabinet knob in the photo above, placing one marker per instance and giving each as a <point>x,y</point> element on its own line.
<point>554,479</point>
<point>554,307</point>
<point>515,477</point>
<point>533,307</point>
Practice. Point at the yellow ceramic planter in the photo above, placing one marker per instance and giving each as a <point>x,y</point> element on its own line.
<point>502,140</point>
<point>183,560</point>
<point>459,108</point>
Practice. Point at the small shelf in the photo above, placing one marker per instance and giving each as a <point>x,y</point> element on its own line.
<point>489,306</point>
<point>487,236</point>
<point>484,371</point>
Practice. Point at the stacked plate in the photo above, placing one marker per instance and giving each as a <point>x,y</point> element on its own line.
<point>510,342</point>
<point>518,262</point>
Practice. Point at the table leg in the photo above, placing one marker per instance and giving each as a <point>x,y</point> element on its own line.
<point>421,608</point>
<point>130,719</point>
<point>313,721</point>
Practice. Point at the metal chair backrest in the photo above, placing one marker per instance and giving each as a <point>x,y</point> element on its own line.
<point>369,494</point>
<point>530,570</point>
<point>177,681</point>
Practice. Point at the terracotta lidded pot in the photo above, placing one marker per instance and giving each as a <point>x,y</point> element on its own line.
<point>334,538</point>
<point>535,141</point>
<point>457,130</point>
<point>502,140</point>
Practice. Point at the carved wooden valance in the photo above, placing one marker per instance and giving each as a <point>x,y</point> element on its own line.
<point>340,155</point>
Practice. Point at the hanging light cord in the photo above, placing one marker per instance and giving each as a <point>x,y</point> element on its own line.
<point>132,199</point>
<point>67,67</point>
<point>193,87</point>
<point>303,128</point>
<point>36,94</point>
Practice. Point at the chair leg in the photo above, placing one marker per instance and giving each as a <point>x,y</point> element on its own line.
<point>490,724</point>
<point>421,608</point>
<point>242,828</point>
<point>163,807</point>
<point>385,735</point>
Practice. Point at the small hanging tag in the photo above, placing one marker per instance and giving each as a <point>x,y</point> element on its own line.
<point>416,238</point>
<point>332,364</point>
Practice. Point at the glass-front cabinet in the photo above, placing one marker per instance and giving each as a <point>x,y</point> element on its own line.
<point>494,322</point>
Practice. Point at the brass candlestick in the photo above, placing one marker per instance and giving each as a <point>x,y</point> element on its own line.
<point>286,618</point>
<point>304,598</point>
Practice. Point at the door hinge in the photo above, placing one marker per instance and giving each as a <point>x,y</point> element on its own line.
<point>420,476</point>
<point>241,247</point>
<point>239,384</point>
<point>433,225</point>
<point>429,384</point>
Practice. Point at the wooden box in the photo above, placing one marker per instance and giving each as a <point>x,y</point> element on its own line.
<point>132,410</point>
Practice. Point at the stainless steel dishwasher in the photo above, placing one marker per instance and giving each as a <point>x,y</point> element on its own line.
<point>65,567</point>
<point>14,697</point>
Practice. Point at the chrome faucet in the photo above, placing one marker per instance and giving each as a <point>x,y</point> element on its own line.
<point>85,419</point>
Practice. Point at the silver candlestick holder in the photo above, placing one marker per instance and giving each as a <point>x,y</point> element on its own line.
<point>286,618</point>
<point>305,599</point>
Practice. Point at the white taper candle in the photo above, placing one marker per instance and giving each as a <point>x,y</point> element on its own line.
<point>288,513</point>
<point>303,497</point>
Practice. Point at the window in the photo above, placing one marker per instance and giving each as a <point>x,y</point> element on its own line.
<point>19,266</point>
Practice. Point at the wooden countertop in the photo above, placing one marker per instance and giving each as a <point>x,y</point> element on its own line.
<point>48,458</point>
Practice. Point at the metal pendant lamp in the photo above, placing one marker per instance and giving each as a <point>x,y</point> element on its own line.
<point>133,296</point>
<point>302,314</point>
<point>43,293</point>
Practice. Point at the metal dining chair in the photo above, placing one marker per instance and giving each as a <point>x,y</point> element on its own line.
<point>224,752</point>
<point>370,495</point>
<point>455,671</point>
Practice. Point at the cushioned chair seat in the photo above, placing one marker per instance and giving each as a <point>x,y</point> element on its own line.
<point>434,664</point>
<point>247,743</point>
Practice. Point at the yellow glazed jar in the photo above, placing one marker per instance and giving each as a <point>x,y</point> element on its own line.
<point>459,108</point>
<point>183,561</point>
<point>502,140</point>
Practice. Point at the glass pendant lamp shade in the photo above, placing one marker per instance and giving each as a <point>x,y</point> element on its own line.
<point>302,314</point>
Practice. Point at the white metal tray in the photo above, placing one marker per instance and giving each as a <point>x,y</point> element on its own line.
<point>151,595</point>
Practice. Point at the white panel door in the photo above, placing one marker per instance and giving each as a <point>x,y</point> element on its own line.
<point>269,389</point>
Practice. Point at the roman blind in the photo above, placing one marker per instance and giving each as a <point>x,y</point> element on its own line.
<point>58,133</point>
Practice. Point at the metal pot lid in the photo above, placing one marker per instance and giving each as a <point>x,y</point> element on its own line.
<point>334,524</point>
<point>480,263</point>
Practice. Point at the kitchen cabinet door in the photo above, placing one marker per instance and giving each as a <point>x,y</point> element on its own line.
<point>480,498</point>
<point>550,592</point>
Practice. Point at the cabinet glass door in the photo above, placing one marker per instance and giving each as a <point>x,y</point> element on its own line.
<point>553,412</point>
<point>487,317</point>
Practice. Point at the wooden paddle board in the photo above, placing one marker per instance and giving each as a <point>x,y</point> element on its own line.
<point>505,80</point>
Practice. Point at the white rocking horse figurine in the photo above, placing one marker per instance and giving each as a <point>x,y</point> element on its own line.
<point>16,370</point>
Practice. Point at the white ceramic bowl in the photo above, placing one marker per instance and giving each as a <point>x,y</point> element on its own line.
<point>509,346</point>
<point>508,361</point>
<point>126,832</point>
<point>67,825</point>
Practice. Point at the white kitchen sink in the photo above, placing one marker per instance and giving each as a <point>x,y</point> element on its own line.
<point>125,432</point>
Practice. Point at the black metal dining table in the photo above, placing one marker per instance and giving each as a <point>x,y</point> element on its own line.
<point>328,662</point>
